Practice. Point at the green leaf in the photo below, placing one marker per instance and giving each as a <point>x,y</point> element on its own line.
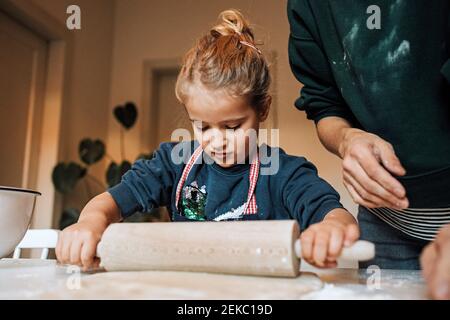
<point>65,176</point>
<point>68,217</point>
<point>126,115</point>
<point>115,172</point>
<point>91,151</point>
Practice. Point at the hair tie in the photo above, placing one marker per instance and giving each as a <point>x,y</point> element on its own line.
<point>245,43</point>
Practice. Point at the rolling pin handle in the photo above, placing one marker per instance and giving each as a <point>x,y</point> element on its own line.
<point>361,250</point>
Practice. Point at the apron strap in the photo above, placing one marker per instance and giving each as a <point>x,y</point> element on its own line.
<point>186,171</point>
<point>250,206</point>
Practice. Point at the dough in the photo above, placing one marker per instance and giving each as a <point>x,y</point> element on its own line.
<point>187,285</point>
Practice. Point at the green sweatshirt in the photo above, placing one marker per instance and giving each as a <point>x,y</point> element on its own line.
<point>393,81</point>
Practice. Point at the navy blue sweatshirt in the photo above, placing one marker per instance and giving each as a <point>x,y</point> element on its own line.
<point>293,190</point>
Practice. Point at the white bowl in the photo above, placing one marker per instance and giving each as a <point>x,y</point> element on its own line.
<point>16,210</point>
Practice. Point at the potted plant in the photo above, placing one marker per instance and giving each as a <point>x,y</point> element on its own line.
<point>66,176</point>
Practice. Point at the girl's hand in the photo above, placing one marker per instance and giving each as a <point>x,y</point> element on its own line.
<point>77,244</point>
<point>323,242</point>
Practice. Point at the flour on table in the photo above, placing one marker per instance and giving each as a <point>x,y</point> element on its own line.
<point>187,285</point>
<point>332,292</point>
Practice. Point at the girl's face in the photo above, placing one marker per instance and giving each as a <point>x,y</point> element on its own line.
<point>223,124</point>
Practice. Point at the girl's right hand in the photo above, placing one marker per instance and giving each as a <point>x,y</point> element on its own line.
<point>77,244</point>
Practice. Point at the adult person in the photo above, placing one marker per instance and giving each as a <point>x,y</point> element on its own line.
<point>376,83</point>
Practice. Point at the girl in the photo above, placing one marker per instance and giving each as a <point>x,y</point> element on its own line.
<point>222,174</point>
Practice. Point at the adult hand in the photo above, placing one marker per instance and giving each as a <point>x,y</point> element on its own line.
<point>369,165</point>
<point>435,262</point>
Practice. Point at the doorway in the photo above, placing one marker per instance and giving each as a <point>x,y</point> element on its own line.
<point>23,61</point>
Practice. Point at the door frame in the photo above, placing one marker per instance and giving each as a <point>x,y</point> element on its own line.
<point>150,68</point>
<point>60,43</point>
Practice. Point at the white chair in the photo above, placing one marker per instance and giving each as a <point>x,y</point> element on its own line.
<point>44,239</point>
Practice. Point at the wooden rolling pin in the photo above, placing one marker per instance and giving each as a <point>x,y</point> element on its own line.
<point>269,248</point>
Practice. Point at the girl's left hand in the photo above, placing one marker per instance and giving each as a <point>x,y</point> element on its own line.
<point>323,242</point>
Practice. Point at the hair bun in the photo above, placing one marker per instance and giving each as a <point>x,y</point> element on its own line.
<point>232,22</point>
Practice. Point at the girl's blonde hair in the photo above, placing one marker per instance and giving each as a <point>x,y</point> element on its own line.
<point>227,58</point>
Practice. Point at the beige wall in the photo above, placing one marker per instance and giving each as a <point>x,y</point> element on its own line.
<point>87,101</point>
<point>153,29</point>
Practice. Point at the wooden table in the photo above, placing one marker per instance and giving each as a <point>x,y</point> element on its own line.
<point>34,279</point>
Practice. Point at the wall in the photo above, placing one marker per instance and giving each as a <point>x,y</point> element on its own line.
<point>88,92</point>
